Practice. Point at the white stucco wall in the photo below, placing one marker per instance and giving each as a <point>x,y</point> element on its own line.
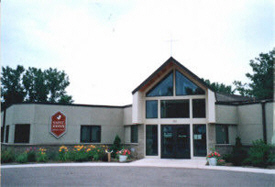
<point>137,108</point>
<point>211,114</point>
<point>127,115</point>
<point>39,117</point>
<point>226,114</point>
<point>250,123</point>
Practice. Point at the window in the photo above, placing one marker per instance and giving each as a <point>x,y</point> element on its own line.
<point>2,134</point>
<point>134,134</point>
<point>151,140</point>
<point>22,133</point>
<point>175,109</point>
<point>90,134</point>
<point>198,108</point>
<point>186,87</point>
<point>199,140</point>
<point>163,88</point>
<point>7,133</point>
<point>222,134</point>
<point>152,109</point>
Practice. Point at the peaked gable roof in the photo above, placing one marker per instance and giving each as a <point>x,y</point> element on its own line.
<point>166,67</point>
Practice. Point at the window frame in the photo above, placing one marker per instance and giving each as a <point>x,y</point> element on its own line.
<point>90,133</point>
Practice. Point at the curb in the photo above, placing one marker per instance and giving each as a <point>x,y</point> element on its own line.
<point>133,164</point>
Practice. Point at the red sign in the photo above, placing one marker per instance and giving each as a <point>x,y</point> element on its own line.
<point>58,124</point>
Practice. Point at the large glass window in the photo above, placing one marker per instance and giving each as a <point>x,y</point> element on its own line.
<point>163,88</point>
<point>198,108</point>
<point>152,109</point>
<point>22,133</point>
<point>90,134</point>
<point>175,109</point>
<point>186,87</point>
<point>222,134</point>
<point>151,140</point>
<point>134,134</point>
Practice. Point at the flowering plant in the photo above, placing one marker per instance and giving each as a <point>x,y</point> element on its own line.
<point>125,152</point>
<point>214,154</point>
<point>41,155</point>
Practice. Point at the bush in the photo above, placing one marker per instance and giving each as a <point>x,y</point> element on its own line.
<point>22,158</point>
<point>238,154</point>
<point>116,146</point>
<point>31,154</point>
<point>259,154</point>
<point>7,156</point>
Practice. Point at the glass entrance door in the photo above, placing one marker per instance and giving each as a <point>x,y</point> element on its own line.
<point>175,141</point>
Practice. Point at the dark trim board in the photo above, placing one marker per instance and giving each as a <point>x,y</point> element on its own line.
<point>77,105</point>
<point>238,103</point>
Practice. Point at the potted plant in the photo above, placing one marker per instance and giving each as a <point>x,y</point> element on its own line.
<point>123,154</point>
<point>213,157</point>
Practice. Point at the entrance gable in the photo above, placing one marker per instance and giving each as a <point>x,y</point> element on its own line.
<point>171,63</point>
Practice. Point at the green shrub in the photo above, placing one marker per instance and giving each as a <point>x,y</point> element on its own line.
<point>52,155</point>
<point>238,154</point>
<point>116,146</point>
<point>22,158</point>
<point>31,152</point>
<point>259,154</point>
<point>7,156</point>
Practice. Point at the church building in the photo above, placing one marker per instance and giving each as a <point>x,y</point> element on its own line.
<point>174,114</point>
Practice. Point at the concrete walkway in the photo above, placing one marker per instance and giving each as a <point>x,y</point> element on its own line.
<point>197,163</point>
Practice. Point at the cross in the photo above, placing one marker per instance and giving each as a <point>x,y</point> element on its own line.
<point>171,44</point>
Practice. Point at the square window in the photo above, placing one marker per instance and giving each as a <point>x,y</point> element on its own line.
<point>90,133</point>
<point>152,109</point>
<point>22,133</point>
<point>198,108</point>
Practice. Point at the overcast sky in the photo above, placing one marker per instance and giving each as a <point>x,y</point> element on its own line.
<point>107,48</point>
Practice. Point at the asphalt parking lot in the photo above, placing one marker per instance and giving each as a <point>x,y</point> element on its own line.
<point>129,176</point>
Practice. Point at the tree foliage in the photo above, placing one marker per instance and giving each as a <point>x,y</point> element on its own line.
<point>219,87</point>
<point>33,85</point>
<point>261,85</point>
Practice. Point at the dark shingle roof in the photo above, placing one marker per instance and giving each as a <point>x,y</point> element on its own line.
<point>221,97</point>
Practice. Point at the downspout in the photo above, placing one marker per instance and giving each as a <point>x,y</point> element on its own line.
<point>264,121</point>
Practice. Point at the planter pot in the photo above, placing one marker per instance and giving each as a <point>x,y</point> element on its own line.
<point>122,158</point>
<point>212,161</point>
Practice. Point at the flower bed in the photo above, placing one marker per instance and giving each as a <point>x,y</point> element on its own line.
<point>77,153</point>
